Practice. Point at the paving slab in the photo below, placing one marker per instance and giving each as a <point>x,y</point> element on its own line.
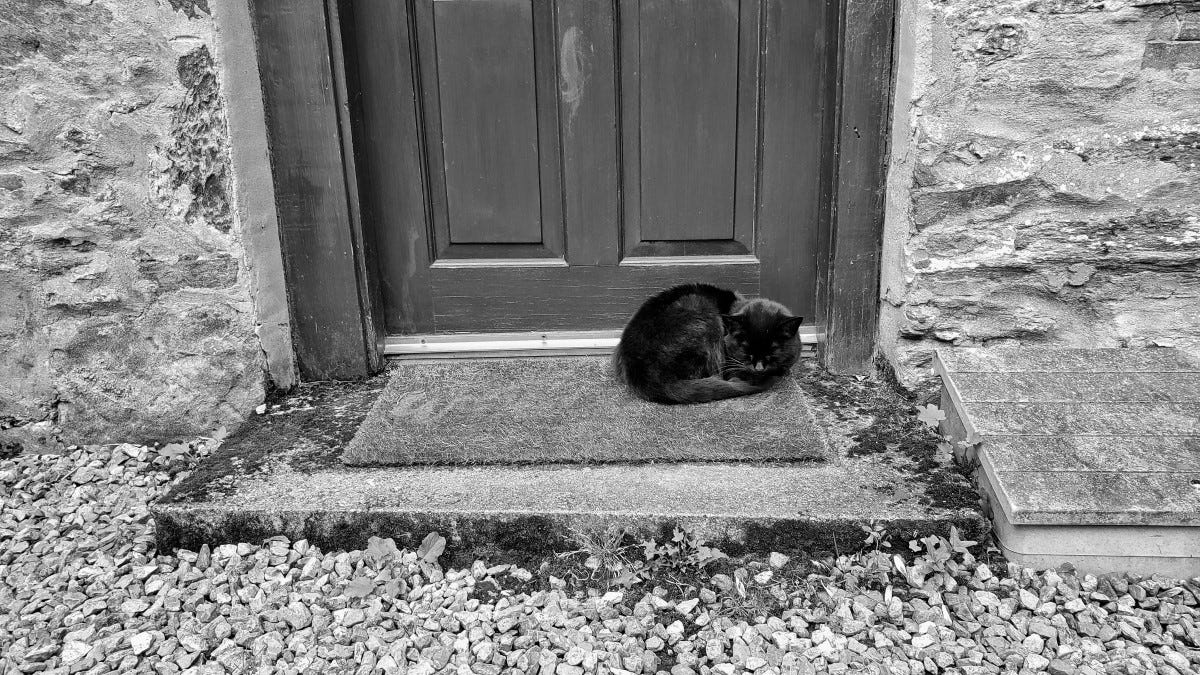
<point>1104,387</point>
<point>1031,418</point>
<point>1043,360</point>
<point>1098,549</point>
<point>1045,454</point>
<point>1101,498</point>
<point>1074,446</point>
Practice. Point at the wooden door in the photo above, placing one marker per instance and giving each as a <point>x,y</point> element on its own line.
<point>536,165</point>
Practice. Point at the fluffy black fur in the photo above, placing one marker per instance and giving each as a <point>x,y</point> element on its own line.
<point>696,343</point>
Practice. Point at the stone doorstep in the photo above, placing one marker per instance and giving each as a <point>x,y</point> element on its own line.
<point>283,474</point>
<point>1081,478</point>
<point>530,511</point>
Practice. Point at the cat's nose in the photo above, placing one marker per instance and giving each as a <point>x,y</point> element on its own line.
<point>758,366</point>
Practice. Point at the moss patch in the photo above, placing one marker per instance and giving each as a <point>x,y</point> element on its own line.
<point>879,417</point>
<point>309,426</point>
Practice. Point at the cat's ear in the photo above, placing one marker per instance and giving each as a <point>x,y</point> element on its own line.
<point>730,323</point>
<point>790,325</point>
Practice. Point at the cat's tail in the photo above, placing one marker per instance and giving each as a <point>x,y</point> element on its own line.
<point>702,390</point>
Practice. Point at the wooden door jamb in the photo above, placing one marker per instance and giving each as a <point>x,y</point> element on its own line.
<point>848,286</point>
<point>332,295</point>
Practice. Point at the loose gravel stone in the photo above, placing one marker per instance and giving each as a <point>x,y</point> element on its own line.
<point>141,642</point>
<point>85,592</point>
<point>1036,662</point>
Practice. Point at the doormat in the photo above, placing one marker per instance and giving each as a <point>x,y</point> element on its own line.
<point>569,410</point>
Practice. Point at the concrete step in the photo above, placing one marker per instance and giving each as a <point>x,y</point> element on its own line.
<point>537,511</point>
<point>1085,456</point>
<point>284,475</point>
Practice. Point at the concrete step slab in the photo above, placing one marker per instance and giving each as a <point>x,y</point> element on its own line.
<point>1142,454</point>
<point>284,476</point>
<point>736,507</point>
<point>1101,498</point>
<point>1046,360</point>
<point>1078,387</point>
<point>1110,482</point>
<point>1033,418</point>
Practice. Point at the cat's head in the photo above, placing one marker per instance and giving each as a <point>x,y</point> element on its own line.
<point>761,340</point>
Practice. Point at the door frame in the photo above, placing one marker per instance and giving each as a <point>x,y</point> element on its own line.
<point>333,288</point>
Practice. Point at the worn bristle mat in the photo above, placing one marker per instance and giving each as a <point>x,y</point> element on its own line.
<point>568,410</point>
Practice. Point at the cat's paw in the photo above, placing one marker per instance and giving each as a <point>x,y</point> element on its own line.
<point>757,381</point>
<point>765,381</point>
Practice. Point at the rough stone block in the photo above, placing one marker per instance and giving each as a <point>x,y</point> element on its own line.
<point>1189,27</point>
<point>1172,55</point>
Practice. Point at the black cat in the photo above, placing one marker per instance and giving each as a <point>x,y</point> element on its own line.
<point>696,343</point>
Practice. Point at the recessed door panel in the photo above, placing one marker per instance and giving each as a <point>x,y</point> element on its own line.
<point>690,97</point>
<point>688,118</point>
<point>488,100</point>
<point>490,128</point>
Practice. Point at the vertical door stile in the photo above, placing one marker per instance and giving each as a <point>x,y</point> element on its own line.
<point>431,129</point>
<point>795,146</point>
<point>629,95</point>
<point>588,120</point>
<point>749,92</point>
<point>549,131</point>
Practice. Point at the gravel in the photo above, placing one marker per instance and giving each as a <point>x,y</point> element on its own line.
<point>82,591</point>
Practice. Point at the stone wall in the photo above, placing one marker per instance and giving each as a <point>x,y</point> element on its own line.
<point>124,314</point>
<point>1044,186</point>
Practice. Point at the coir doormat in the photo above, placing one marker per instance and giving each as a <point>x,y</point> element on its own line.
<point>568,410</point>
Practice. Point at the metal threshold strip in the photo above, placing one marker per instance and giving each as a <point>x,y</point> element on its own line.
<point>549,343</point>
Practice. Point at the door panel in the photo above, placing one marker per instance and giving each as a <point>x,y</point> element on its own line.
<point>571,157</point>
<point>491,128</point>
<point>485,84</point>
<point>687,120</point>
